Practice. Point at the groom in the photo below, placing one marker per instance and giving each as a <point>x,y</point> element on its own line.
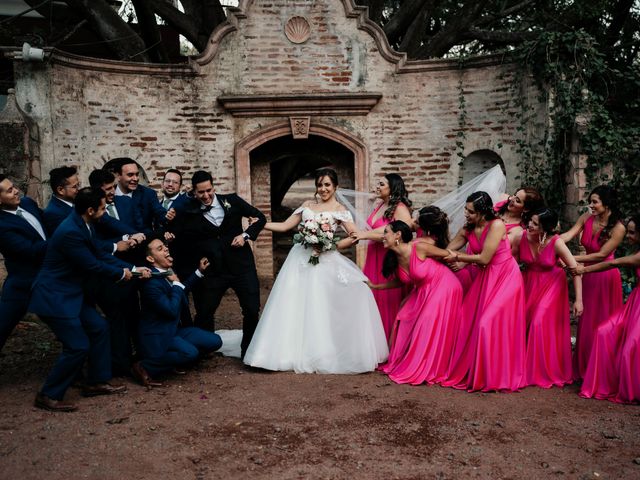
<point>210,226</point>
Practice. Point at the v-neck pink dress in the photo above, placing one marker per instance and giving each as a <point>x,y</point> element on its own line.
<point>426,326</point>
<point>389,300</point>
<point>613,371</point>
<point>548,357</point>
<point>490,347</point>
<point>602,297</point>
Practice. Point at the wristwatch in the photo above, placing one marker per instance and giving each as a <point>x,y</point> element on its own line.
<point>245,235</point>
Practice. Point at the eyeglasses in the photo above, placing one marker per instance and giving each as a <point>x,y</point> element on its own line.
<point>172,182</point>
<point>73,187</point>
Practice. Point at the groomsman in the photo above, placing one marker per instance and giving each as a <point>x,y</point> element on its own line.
<point>164,344</point>
<point>118,301</point>
<point>58,299</point>
<point>137,205</point>
<point>64,185</point>
<point>23,244</point>
<point>172,196</point>
<point>211,227</point>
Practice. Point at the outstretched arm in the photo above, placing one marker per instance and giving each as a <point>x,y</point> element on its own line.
<point>425,249</point>
<point>289,224</point>
<point>628,261</point>
<point>497,231</point>
<point>576,229</point>
<point>459,241</point>
<point>617,235</point>
<point>569,260</point>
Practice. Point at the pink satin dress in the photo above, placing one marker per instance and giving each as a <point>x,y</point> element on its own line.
<point>426,326</point>
<point>490,348</point>
<point>389,300</point>
<point>613,371</point>
<point>548,357</point>
<point>602,297</point>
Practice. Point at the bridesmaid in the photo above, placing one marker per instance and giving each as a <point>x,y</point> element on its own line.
<point>548,354</point>
<point>602,232</point>
<point>613,371</point>
<point>490,347</point>
<point>426,325</point>
<point>516,210</point>
<point>394,205</point>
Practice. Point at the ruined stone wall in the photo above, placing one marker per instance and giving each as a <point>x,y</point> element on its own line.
<point>90,111</point>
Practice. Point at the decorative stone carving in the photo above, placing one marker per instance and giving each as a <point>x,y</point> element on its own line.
<point>299,127</point>
<point>297,29</point>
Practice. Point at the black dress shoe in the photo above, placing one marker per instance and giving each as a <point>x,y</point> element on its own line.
<point>46,403</point>
<point>102,389</point>
<point>142,376</point>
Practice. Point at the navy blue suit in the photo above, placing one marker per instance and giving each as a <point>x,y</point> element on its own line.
<point>23,250</point>
<point>57,297</point>
<point>142,211</point>
<point>54,214</point>
<point>164,344</point>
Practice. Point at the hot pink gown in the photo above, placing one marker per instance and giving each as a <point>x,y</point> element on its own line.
<point>490,347</point>
<point>613,371</point>
<point>602,297</point>
<point>427,324</point>
<point>548,355</point>
<point>388,300</point>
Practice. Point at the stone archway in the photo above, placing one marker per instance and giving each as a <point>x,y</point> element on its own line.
<point>273,152</point>
<point>478,162</point>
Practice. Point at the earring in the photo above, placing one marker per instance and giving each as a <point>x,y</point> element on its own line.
<point>397,242</point>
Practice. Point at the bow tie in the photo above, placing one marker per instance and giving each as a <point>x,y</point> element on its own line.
<point>206,208</point>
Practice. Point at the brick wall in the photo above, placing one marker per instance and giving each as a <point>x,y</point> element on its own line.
<point>90,111</point>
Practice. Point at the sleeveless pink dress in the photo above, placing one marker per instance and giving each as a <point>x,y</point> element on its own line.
<point>602,297</point>
<point>548,357</point>
<point>490,347</point>
<point>388,300</point>
<point>613,371</point>
<point>426,326</point>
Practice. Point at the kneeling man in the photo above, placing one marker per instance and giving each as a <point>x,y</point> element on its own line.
<point>164,344</point>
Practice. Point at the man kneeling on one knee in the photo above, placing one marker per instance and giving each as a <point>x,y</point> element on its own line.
<point>164,344</point>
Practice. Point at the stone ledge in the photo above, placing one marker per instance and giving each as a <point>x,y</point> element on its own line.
<point>304,104</point>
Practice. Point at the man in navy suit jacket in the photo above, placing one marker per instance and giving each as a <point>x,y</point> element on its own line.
<point>172,197</point>
<point>58,299</point>
<point>164,343</point>
<point>23,243</point>
<point>137,205</point>
<point>64,184</point>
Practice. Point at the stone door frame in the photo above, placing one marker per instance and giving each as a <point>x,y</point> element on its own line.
<point>281,129</point>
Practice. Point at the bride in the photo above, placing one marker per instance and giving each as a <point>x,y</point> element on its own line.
<point>319,318</point>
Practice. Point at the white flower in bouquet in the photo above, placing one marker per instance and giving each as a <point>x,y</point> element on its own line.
<point>318,235</point>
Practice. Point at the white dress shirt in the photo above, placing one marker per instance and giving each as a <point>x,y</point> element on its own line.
<point>216,214</point>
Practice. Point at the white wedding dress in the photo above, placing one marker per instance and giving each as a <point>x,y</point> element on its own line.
<point>319,318</point>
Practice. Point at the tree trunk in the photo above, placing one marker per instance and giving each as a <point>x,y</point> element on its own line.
<point>398,24</point>
<point>150,32</point>
<point>123,40</point>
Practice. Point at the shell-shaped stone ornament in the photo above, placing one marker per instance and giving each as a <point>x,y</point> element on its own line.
<point>297,29</point>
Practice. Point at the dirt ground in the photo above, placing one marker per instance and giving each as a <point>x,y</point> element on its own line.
<point>224,421</point>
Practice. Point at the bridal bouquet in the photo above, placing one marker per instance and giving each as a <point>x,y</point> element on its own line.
<point>318,234</point>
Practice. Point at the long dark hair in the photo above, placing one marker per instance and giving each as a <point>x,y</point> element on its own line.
<point>548,220</point>
<point>398,194</point>
<point>390,261</point>
<point>325,172</point>
<point>532,201</point>
<point>482,204</point>
<point>435,223</point>
<point>609,198</point>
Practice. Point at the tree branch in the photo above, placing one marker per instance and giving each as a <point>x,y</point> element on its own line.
<point>406,14</point>
<point>498,36</point>
<point>150,31</point>
<point>181,22</point>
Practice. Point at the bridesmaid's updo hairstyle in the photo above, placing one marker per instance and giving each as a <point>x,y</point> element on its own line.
<point>435,223</point>
<point>532,201</point>
<point>390,262</point>
<point>609,198</point>
<point>548,220</point>
<point>483,205</point>
<point>398,194</point>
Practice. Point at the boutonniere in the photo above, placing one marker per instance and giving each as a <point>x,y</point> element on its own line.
<point>226,205</point>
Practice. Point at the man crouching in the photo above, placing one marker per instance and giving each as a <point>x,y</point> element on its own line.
<point>164,344</point>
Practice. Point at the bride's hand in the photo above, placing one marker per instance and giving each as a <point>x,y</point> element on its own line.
<point>358,235</point>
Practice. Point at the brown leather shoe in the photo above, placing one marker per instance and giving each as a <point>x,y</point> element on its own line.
<point>102,389</point>
<point>142,376</point>
<point>46,403</point>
